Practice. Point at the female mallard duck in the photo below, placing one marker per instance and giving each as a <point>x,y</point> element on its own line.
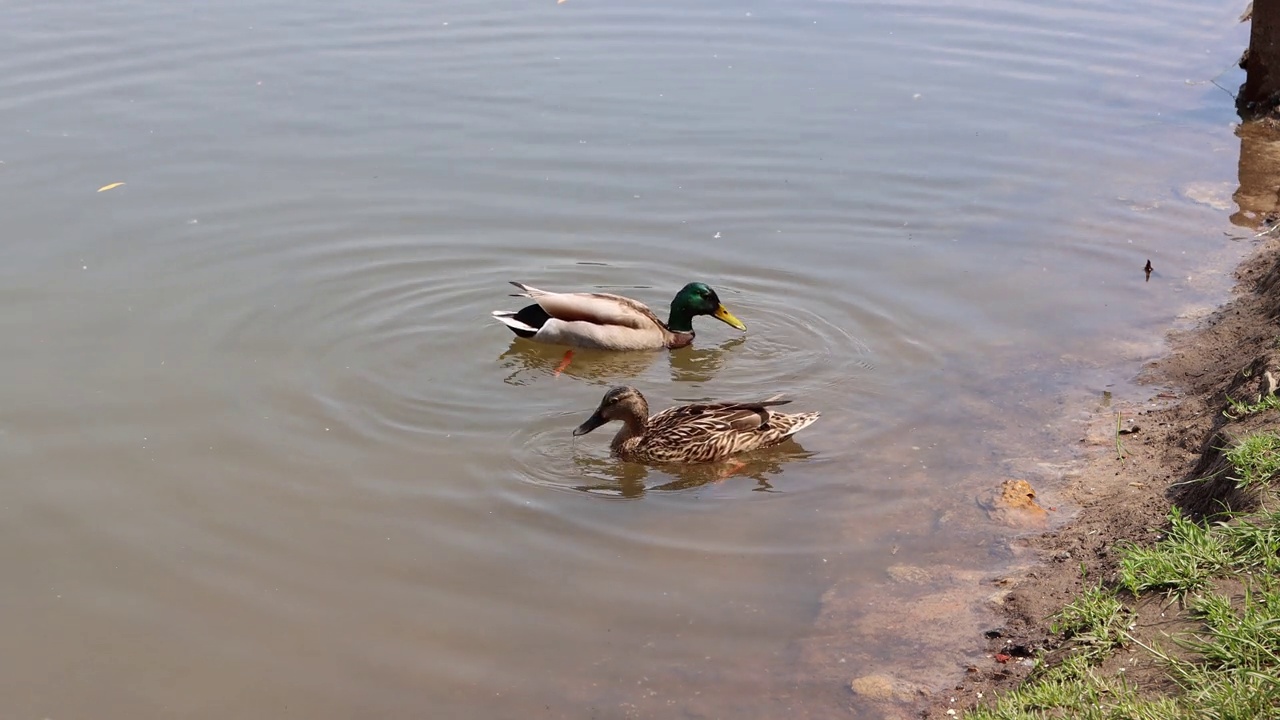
<point>612,322</point>
<point>703,432</point>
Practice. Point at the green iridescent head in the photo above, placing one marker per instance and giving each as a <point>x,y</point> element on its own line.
<point>698,299</point>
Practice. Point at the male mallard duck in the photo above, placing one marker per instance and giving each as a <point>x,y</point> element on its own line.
<point>701,432</point>
<point>612,322</point>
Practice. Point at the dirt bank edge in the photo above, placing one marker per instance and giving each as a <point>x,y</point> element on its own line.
<point>1129,498</point>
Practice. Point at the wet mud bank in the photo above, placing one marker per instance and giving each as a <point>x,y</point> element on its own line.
<point>1139,460</point>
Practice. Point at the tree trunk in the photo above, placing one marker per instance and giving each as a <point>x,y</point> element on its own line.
<point>1260,94</point>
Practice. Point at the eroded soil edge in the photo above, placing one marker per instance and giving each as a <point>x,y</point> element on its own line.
<point>1125,490</point>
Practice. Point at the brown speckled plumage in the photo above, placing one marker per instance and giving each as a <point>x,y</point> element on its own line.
<point>700,432</point>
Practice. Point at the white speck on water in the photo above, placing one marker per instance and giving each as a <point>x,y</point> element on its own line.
<point>916,96</point>
<point>193,221</point>
<point>716,235</point>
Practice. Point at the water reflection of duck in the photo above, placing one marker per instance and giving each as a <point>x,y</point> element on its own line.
<point>612,322</point>
<point>696,433</point>
<point>527,360</point>
<point>627,479</point>
<point>701,364</point>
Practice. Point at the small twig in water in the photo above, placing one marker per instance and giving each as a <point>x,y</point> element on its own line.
<point>1268,231</point>
<point>1119,442</point>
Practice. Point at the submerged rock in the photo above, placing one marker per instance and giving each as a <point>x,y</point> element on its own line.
<point>909,574</point>
<point>1014,503</point>
<point>885,688</point>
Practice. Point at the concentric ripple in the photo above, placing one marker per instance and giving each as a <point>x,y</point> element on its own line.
<point>385,343</point>
<point>798,344</point>
<point>263,430</point>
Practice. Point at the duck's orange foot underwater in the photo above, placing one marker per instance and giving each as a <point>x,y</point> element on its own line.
<point>730,468</point>
<point>568,356</point>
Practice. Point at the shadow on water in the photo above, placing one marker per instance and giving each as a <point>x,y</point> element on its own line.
<point>618,478</point>
<point>526,361</point>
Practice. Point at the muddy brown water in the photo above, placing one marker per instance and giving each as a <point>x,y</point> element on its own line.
<point>264,454</point>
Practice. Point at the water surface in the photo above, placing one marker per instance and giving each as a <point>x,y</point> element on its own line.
<point>265,454</point>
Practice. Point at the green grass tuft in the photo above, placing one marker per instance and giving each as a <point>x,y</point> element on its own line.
<point>1254,544</point>
<point>1095,621</point>
<point>1248,639</point>
<point>1255,459</point>
<point>1231,670</point>
<point>1237,671</point>
<point>1237,409</point>
<point>1185,560</point>
<point>1075,690</point>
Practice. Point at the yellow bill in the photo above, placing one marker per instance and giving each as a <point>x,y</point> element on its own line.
<point>727,318</point>
<point>105,188</point>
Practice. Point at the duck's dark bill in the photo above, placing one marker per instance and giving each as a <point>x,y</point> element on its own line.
<point>592,423</point>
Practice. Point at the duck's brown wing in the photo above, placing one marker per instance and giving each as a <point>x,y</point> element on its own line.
<point>717,417</point>
<point>597,308</point>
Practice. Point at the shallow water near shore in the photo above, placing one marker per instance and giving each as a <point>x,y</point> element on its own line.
<point>264,452</point>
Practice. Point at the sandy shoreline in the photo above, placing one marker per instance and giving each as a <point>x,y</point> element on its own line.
<point>1127,482</point>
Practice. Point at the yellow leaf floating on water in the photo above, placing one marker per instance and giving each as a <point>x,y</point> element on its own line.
<point>104,188</point>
